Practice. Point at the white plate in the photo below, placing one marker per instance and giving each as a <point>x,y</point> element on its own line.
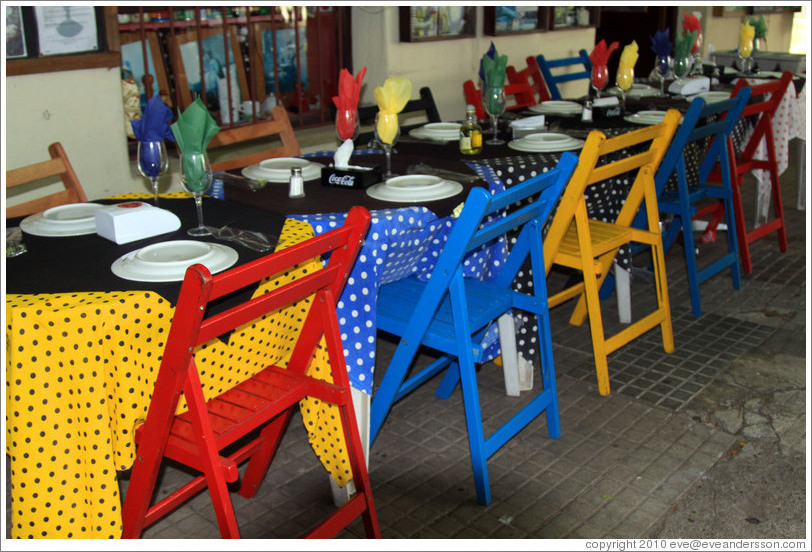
<point>278,169</point>
<point>545,142</point>
<point>75,219</point>
<point>557,107</point>
<point>646,117</point>
<point>414,188</point>
<point>168,261</point>
<point>437,131</point>
<point>638,90</point>
<point>712,96</point>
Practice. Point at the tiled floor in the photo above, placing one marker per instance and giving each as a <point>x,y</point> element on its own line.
<point>619,466</point>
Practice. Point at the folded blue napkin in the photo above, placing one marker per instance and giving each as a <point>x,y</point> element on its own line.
<point>660,44</point>
<point>154,123</point>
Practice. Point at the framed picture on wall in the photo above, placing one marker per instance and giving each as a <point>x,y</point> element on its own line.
<point>501,20</point>
<point>185,57</point>
<point>730,11</point>
<point>422,23</point>
<point>132,62</point>
<point>15,33</point>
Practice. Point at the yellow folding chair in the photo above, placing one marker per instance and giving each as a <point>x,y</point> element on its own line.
<point>579,242</point>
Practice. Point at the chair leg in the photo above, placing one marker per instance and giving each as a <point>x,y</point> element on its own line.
<point>476,432</point>
<point>661,285</point>
<point>258,465</point>
<point>690,263</point>
<point>741,227</point>
<point>593,307</point>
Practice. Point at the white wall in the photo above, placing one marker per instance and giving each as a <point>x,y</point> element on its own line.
<point>83,110</point>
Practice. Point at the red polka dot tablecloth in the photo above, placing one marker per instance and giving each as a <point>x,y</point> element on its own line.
<point>80,369</point>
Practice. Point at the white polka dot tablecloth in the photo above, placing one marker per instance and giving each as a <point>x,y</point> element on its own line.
<point>401,242</point>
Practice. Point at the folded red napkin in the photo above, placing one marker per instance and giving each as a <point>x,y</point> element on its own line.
<point>600,53</point>
<point>349,92</point>
<point>691,24</point>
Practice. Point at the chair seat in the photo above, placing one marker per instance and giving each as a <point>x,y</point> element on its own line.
<point>235,413</point>
<point>398,300</point>
<point>605,237</point>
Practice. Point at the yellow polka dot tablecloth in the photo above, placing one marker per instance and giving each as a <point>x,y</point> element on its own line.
<point>80,369</point>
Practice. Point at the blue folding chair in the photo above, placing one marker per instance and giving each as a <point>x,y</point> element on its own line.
<point>552,80</point>
<point>705,126</point>
<point>450,313</point>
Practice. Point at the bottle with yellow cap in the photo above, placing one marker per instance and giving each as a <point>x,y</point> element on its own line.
<point>470,133</point>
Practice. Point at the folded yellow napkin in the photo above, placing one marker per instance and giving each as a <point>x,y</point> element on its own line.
<point>391,98</point>
<point>746,35</point>
<point>625,68</point>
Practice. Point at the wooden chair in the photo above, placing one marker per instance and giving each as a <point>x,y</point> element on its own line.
<point>450,313</point>
<point>589,246</point>
<point>59,165</point>
<point>265,401</point>
<point>532,76</point>
<point>552,81</point>
<point>519,96</point>
<point>765,99</point>
<point>424,104</point>
<point>243,136</point>
<point>707,127</point>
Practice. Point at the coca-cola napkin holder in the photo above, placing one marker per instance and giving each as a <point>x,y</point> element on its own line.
<point>353,177</point>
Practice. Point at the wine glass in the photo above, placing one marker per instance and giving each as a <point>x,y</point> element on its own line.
<point>600,74</point>
<point>387,132</point>
<point>347,124</point>
<point>662,67</point>
<point>196,178</point>
<point>682,66</point>
<point>153,162</point>
<point>494,102</point>
<point>745,59</point>
<point>624,81</point>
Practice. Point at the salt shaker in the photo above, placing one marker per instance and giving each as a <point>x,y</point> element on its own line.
<point>296,183</point>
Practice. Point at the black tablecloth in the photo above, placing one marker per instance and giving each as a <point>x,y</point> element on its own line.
<point>82,263</point>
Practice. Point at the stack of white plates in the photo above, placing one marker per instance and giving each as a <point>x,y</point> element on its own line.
<point>712,96</point>
<point>557,107</point>
<point>439,132</point>
<point>646,117</point>
<point>543,142</point>
<point>168,261</point>
<point>278,169</point>
<point>414,188</point>
<point>75,219</point>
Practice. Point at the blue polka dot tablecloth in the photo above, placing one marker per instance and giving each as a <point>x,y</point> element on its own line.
<point>401,242</point>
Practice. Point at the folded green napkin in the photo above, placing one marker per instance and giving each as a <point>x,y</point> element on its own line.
<point>194,128</point>
<point>193,131</point>
<point>494,70</point>
<point>684,44</point>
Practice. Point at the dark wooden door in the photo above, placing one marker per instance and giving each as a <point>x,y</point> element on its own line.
<point>626,23</point>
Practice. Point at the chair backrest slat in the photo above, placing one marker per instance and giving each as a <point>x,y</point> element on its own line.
<point>279,126</point>
<point>552,80</point>
<point>58,165</point>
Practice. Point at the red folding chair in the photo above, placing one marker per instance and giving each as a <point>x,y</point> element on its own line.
<point>519,96</point>
<point>532,76</point>
<point>765,99</point>
<point>265,401</point>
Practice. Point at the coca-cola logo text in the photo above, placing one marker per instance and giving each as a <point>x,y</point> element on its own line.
<point>345,180</point>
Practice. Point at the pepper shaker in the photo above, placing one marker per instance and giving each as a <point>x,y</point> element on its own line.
<point>296,183</point>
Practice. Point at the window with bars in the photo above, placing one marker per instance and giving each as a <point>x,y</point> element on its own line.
<point>241,61</point>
